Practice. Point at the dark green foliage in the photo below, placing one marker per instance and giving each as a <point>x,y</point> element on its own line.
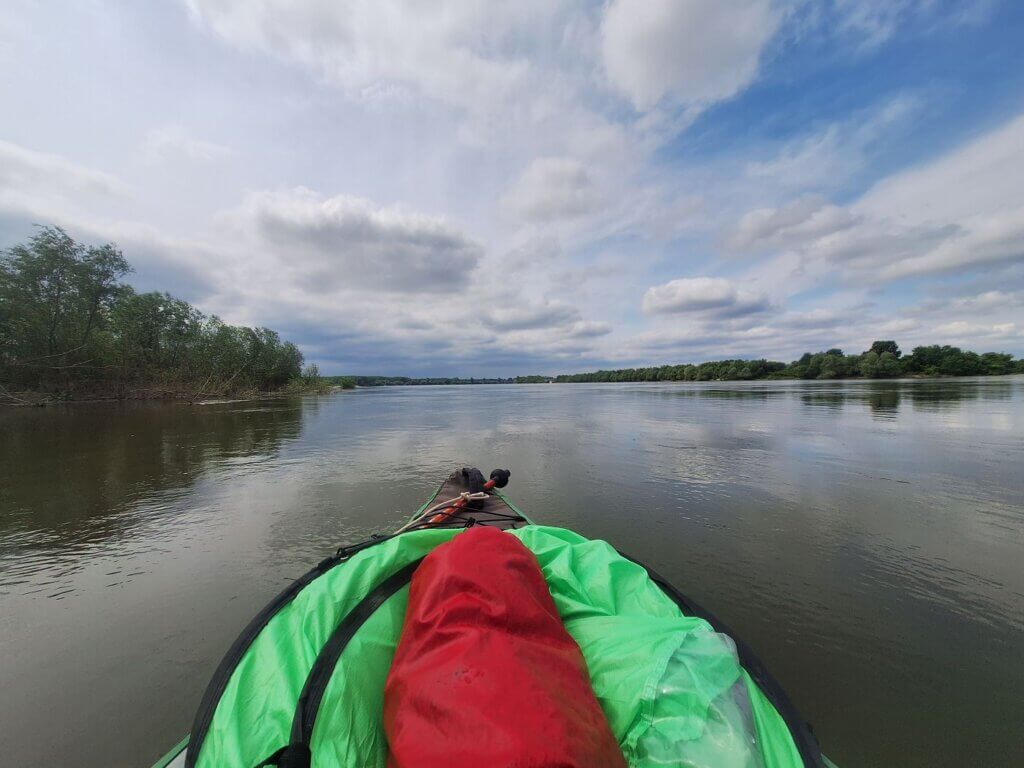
<point>882,361</point>
<point>881,347</point>
<point>832,364</point>
<point>345,382</point>
<point>952,361</point>
<point>722,370</point>
<point>68,325</point>
<point>880,366</point>
<point>54,296</point>
<point>406,381</point>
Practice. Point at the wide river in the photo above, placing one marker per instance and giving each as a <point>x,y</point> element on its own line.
<point>866,538</point>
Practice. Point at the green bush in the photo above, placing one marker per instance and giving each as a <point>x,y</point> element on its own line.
<point>67,322</point>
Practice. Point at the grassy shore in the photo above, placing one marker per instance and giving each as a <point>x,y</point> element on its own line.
<point>161,391</point>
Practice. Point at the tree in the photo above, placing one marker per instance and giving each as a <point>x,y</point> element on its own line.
<point>832,366</point>
<point>869,365</point>
<point>56,294</point>
<point>97,276</point>
<point>997,364</point>
<point>888,366</point>
<point>65,319</point>
<point>813,368</point>
<point>924,360</point>
<point>880,347</point>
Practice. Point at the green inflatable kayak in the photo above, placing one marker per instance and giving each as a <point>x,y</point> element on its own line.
<point>677,687</point>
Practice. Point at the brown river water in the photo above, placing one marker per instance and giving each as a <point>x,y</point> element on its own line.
<point>865,538</point>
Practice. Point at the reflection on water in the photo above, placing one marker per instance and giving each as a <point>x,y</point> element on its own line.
<point>71,473</point>
<point>865,537</point>
<point>884,397</point>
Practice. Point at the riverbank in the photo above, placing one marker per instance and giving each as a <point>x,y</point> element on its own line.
<point>883,360</point>
<point>107,393</point>
<point>400,381</point>
<point>72,330</point>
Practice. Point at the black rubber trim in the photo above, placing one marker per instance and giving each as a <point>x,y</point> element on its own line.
<point>308,706</point>
<point>803,738</point>
<point>221,676</point>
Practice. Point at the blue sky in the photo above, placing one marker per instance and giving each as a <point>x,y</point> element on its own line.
<point>468,188</point>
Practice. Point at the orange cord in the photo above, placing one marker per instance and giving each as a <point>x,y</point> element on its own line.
<point>449,511</point>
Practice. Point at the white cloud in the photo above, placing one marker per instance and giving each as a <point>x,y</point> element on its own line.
<point>960,212</point>
<point>817,319</point>
<point>378,281</point>
<point>701,340</point>
<point>961,328</point>
<point>875,23</point>
<point>714,295</point>
<point>546,314</point>
<point>586,329</point>
<point>829,157</point>
<point>790,334</point>
<point>690,51</point>
<point>976,242</point>
<point>988,301</point>
<point>345,243</point>
<point>41,183</point>
<point>540,205</point>
<point>173,142</point>
<point>806,218</point>
<point>524,80</point>
<point>47,189</point>
<point>552,188</point>
<point>980,177</point>
<point>514,78</point>
<point>467,54</point>
<point>805,163</point>
<point>512,67</point>
<point>385,282</point>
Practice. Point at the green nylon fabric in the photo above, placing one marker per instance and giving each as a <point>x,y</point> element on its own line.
<point>354,699</point>
<point>773,736</point>
<point>626,627</point>
<point>254,715</point>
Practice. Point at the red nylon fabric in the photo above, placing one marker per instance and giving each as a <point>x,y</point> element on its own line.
<point>485,675</point>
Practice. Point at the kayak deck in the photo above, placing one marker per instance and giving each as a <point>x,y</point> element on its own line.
<point>657,627</point>
<point>494,510</point>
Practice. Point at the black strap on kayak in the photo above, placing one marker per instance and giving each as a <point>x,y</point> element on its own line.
<point>799,729</point>
<point>221,676</point>
<point>297,754</point>
<point>291,756</point>
<point>272,760</point>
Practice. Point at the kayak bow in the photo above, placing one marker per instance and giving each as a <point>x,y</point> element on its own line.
<point>675,684</point>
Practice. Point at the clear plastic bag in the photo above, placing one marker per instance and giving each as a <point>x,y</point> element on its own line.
<point>684,735</point>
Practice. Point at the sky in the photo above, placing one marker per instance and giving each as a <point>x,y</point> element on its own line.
<point>475,188</point>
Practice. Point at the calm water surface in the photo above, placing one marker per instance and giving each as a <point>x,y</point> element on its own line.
<point>867,539</point>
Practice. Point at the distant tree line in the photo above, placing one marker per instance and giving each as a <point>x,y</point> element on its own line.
<point>883,360</point>
<point>345,382</point>
<point>70,327</point>
<point>408,381</point>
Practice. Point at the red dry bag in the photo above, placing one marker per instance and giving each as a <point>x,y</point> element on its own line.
<point>485,675</point>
